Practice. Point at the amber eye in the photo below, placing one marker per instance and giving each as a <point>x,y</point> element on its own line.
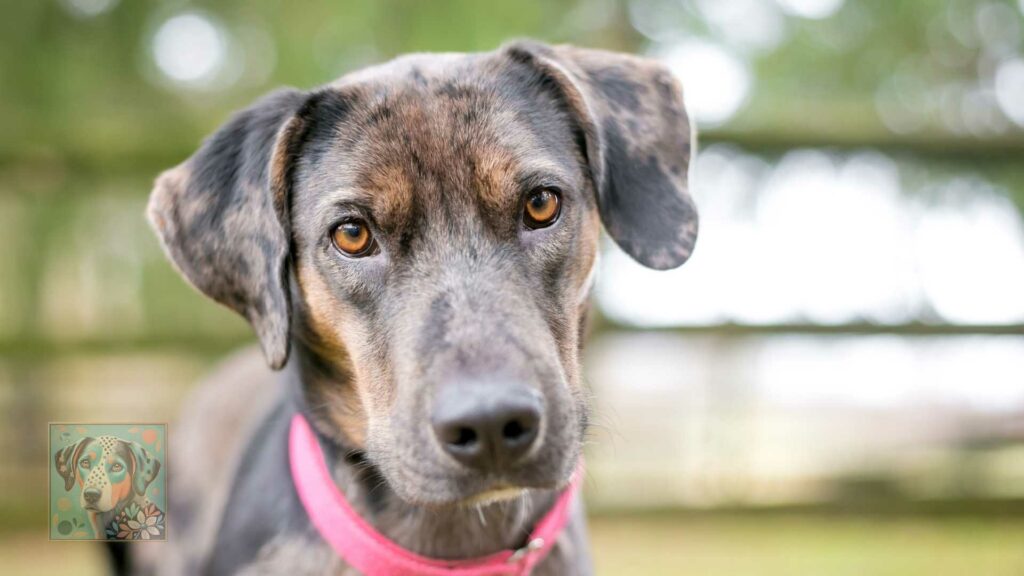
<point>353,238</point>
<point>116,467</point>
<point>84,463</point>
<point>542,208</point>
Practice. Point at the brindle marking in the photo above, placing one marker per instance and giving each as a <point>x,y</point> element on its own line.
<point>436,153</point>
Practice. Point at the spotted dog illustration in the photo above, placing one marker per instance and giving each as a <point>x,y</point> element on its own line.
<point>113,475</point>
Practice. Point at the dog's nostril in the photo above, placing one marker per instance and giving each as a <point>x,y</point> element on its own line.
<point>514,431</point>
<point>464,437</point>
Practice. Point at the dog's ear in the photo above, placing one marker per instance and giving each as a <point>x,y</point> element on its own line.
<point>637,142</point>
<point>66,461</point>
<point>222,216</point>
<point>145,469</point>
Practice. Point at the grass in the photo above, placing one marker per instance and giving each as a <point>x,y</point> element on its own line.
<point>762,545</point>
<point>808,545</point>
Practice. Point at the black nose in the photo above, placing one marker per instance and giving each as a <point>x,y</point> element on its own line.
<point>488,426</point>
<point>91,495</point>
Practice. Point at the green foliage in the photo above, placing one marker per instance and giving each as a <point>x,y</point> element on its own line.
<point>89,121</point>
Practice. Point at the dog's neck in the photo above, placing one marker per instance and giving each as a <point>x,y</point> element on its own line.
<point>439,532</point>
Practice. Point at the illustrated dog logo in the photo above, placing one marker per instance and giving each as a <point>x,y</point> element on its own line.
<point>111,475</point>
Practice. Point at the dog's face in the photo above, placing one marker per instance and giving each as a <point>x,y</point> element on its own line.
<point>108,470</point>
<point>424,234</point>
<point>468,262</point>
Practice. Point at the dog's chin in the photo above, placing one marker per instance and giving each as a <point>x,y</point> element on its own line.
<point>466,490</point>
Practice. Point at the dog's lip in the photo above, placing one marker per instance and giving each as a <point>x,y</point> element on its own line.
<point>467,488</point>
<point>500,493</point>
<point>483,493</point>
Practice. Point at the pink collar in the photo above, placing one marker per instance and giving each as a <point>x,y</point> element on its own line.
<point>370,552</point>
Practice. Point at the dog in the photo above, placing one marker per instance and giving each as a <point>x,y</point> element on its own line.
<point>112,474</point>
<point>414,246</point>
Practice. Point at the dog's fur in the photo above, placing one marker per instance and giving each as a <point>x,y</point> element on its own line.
<point>437,154</point>
<point>116,472</point>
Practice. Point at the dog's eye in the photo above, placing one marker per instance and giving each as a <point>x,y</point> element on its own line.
<point>84,463</point>
<point>353,238</point>
<point>116,467</point>
<point>542,208</point>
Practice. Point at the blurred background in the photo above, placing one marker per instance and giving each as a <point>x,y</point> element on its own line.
<point>833,385</point>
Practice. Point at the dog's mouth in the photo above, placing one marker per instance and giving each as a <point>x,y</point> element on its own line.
<point>495,495</point>
<point>474,490</point>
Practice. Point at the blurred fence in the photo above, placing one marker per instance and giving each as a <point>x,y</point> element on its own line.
<point>851,328</point>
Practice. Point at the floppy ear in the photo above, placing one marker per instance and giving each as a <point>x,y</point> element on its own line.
<point>637,141</point>
<point>66,461</point>
<point>222,216</point>
<point>146,467</point>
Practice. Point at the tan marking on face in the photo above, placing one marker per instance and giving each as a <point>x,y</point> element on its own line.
<point>324,311</point>
<point>391,191</point>
<point>590,232</point>
<point>581,274</point>
<point>495,177</point>
<point>345,405</point>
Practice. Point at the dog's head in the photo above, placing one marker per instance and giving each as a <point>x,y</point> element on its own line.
<point>422,236</point>
<point>109,471</point>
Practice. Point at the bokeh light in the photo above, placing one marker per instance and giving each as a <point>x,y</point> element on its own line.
<point>756,25</point>
<point>1009,89</point>
<point>716,83</point>
<point>998,28</point>
<point>88,8</point>
<point>658,20</point>
<point>812,9</point>
<point>190,49</point>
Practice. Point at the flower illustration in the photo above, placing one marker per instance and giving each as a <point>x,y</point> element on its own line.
<point>137,523</point>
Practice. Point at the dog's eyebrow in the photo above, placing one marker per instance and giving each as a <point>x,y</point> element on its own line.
<point>351,196</point>
<point>543,174</point>
<point>351,204</point>
<point>534,179</point>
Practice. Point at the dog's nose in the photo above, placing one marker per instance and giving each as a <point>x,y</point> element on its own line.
<point>91,495</point>
<point>488,426</point>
